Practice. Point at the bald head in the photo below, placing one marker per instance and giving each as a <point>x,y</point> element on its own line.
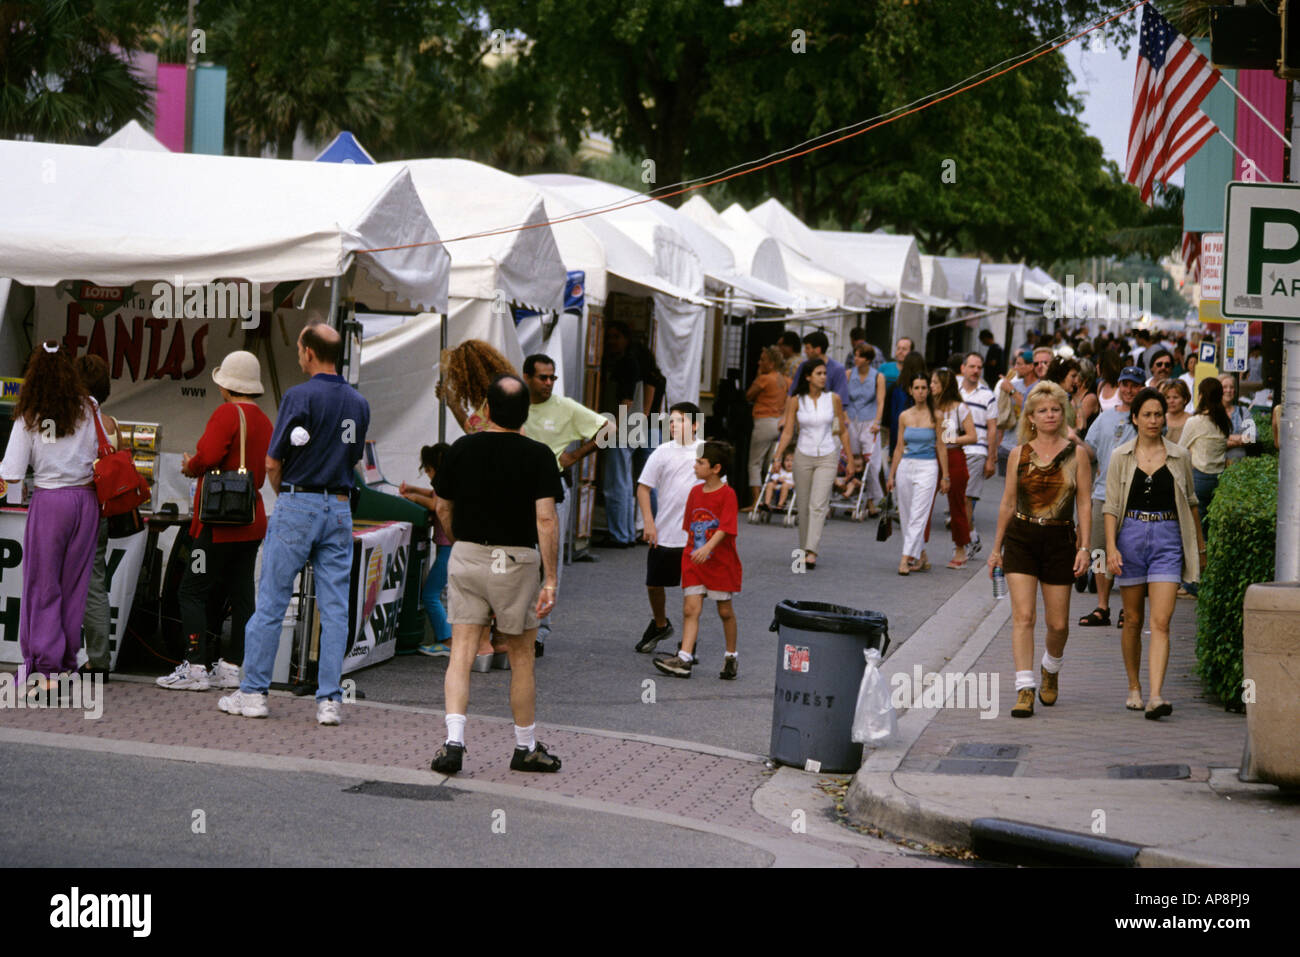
<point>319,348</point>
<point>508,402</point>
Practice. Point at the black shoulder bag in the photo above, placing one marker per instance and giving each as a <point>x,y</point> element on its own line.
<point>230,498</point>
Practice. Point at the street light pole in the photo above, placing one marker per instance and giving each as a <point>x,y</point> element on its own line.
<point>1287,562</point>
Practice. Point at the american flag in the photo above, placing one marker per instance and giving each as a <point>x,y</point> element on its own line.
<point>1191,254</point>
<point>1172,80</point>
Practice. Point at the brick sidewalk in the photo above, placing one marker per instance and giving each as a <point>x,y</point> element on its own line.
<point>1089,731</point>
<point>622,772</point>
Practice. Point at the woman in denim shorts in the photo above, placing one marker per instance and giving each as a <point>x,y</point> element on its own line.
<point>1153,540</point>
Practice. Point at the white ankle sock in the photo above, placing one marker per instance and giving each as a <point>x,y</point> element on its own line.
<point>526,737</point>
<point>1025,679</point>
<point>1052,665</point>
<point>456,729</point>
<point>686,656</point>
<point>731,654</point>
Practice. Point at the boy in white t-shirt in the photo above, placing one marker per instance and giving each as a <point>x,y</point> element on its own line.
<point>670,472</point>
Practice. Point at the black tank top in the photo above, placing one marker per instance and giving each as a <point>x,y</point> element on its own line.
<point>1152,493</point>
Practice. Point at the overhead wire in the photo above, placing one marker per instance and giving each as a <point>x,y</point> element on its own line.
<point>979,78</point>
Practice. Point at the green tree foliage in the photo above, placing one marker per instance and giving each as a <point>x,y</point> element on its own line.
<point>701,86</point>
<point>62,78</point>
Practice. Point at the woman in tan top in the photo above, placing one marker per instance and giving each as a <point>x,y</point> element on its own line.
<point>767,392</point>
<point>1177,395</point>
<point>1043,546</point>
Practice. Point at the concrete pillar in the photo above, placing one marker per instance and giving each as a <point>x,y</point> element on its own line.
<point>1271,666</point>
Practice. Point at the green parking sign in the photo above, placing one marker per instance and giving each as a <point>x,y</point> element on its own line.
<point>1261,252</point>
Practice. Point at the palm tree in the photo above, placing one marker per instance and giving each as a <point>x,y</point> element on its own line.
<point>62,76</point>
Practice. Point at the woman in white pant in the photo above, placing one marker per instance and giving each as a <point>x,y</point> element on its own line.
<point>920,459</point>
<point>866,396</point>
<point>819,415</point>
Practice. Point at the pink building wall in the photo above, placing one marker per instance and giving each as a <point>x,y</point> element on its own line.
<point>169,125</point>
<point>1256,140</point>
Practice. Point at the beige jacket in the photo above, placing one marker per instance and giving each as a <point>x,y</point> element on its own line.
<point>1119,479</point>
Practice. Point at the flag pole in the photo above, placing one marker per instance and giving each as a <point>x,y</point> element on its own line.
<point>1251,106</point>
<point>1253,164</point>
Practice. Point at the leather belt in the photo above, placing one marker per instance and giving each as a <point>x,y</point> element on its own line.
<point>1152,516</point>
<point>1056,522</point>
<point>314,489</point>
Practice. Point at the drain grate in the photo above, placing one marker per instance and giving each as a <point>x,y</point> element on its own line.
<point>989,752</point>
<point>1004,769</point>
<point>406,792</point>
<point>1149,772</point>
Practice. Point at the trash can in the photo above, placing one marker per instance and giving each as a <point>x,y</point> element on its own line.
<point>819,664</point>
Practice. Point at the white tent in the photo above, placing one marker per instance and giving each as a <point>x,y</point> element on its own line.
<point>492,266</point>
<point>964,279</point>
<point>1006,295</point>
<point>133,136</point>
<point>641,246</point>
<point>933,279</point>
<point>115,217</point>
<point>894,262</point>
<point>99,229</point>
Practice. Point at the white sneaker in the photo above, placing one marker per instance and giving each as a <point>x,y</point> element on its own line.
<point>248,704</point>
<point>328,712</point>
<point>224,674</point>
<point>186,677</point>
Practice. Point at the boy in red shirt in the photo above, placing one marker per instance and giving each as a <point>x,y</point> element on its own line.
<point>710,564</point>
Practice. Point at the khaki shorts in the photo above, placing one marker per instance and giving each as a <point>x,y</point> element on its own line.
<point>484,580</point>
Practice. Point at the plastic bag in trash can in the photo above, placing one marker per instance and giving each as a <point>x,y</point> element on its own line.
<point>873,718</point>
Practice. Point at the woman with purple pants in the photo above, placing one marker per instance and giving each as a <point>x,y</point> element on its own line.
<point>54,432</point>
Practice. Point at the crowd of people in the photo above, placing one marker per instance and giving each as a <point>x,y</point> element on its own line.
<point>1103,449</point>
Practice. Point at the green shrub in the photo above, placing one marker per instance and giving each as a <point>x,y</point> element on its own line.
<point>1264,431</point>
<point>1242,541</point>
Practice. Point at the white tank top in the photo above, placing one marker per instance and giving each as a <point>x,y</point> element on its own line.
<point>815,420</point>
<point>1108,404</point>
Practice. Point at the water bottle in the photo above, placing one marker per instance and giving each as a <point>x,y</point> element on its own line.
<point>999,583</point>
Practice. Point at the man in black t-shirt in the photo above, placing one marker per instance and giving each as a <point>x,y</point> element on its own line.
<point>497,491</point>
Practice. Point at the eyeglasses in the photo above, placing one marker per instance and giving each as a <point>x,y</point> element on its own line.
<point>546,378</point>
<point>1160,365</point>
<point>1043,362</point>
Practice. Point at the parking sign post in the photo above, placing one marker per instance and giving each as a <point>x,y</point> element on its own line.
<point>1261,281</point>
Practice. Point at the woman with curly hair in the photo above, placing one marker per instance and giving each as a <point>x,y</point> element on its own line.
<point>467,371</point>
<point>55,433</point>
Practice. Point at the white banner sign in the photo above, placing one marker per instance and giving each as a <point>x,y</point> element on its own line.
<point>123,560</point>
<point>1211,265</point>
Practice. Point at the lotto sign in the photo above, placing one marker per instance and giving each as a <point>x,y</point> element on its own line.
<point>795,658</point>
<point>1261,252</point>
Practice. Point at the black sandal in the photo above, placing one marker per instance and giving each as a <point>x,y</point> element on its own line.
<point>1098,616</point>
<point>1120,622</point>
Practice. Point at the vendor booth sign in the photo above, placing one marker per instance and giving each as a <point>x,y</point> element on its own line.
<point>123,559</point>
<point>381,557</point>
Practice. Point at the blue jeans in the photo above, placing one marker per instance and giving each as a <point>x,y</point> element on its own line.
<point>620,502</point>
<point>305,527</point>
<point>1204,484</point>
<point>432,594</point>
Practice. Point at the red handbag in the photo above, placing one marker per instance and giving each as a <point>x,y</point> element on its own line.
<point>118,486</point>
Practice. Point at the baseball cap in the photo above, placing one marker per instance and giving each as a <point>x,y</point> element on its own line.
<point>1133,374</point>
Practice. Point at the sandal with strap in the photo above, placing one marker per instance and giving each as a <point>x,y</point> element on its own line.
<point>1119,623</point>
<point>1098,616</point>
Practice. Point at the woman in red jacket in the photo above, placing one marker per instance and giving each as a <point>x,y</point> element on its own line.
<point>223,557</point>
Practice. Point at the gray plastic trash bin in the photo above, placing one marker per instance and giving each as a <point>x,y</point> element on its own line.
<point>819,666</point>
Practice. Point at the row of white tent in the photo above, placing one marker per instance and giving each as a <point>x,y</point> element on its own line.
<point>420,240</point>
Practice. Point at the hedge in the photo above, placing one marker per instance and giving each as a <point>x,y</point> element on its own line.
<point>1242,542</point>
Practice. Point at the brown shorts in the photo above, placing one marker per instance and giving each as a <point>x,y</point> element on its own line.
<point>1044,551</point>
<point>485,580</point>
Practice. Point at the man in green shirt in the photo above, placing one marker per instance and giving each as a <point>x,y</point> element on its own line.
<point>557,422</point>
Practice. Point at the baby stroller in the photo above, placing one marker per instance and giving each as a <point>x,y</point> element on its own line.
<point>763,513</point>
<point>856,505</point>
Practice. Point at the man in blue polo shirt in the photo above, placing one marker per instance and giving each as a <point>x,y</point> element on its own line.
<point>815,345</point>
<point>320,431</point>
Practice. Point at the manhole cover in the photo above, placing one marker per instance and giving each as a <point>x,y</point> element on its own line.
<point>1004,769</point>
<point>1149,772</point>
<point>407,792</point>
<point>996,752</point>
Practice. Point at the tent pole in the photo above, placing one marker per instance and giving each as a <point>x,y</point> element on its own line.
<point>442,402</point>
